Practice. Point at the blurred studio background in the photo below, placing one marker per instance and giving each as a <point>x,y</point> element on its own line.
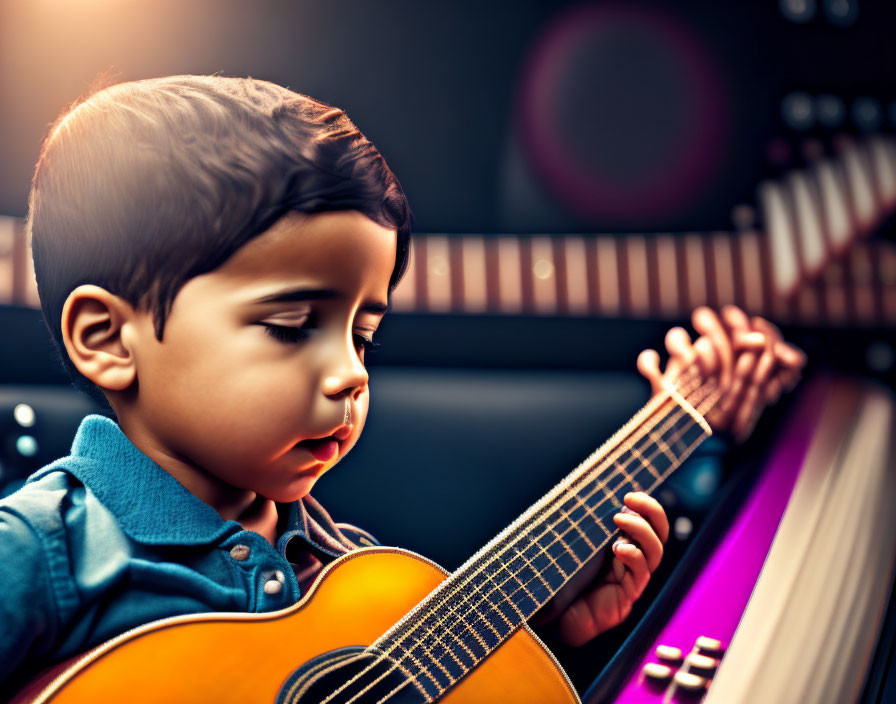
<point>582,175</point>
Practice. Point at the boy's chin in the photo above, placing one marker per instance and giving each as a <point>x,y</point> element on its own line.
<point>294,492</point>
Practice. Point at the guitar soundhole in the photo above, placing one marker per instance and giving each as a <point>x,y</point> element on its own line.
<point>349,676</point>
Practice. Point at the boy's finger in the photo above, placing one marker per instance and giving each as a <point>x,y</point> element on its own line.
<point>735,319</point>
<point>707,323</point>
<point>640,531</point>
<point>745,412</point>
<point>707,357</point>
<point>651,510</point>
<point>768,359</point>
<point>743,340</point>
<point>679,347</point>
<point>773,391</point>
<point>789,356</point>
<point>638,573</point>
<point>765,365</point>
<point>649,366</point>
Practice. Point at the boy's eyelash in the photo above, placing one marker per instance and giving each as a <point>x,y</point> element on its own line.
<point>365,343</point>
<point>288,333</point>
<point>285,333</point>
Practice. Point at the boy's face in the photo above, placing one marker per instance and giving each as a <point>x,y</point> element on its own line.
<point>262,355</point>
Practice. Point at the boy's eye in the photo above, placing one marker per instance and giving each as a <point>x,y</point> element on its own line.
<point>285,333</point>
<point>364,342</point>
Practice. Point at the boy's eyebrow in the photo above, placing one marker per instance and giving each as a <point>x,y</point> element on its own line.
<point>317,294</point>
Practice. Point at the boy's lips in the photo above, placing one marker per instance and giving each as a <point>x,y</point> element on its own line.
<point>325,448</point>
<point>321,449</point>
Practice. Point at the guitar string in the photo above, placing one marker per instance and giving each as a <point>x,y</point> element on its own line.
<point>601,466</point>
<point>585,478</point>
<point>576,539</point>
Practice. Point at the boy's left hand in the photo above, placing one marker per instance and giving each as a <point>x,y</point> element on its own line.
<point>752,366</point>
<point>621,577</point>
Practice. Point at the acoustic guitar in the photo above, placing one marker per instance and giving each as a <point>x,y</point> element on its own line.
<point>387,625</point>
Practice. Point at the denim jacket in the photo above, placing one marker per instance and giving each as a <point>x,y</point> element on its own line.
<point>104,540</point>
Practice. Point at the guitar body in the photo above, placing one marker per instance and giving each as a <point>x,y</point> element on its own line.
<point>246,658</point>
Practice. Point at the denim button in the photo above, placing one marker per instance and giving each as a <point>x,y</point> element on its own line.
<point>275,585</point>
<point>240,552</point>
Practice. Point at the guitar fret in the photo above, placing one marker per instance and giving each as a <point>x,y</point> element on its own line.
<point>542,273</point>
<point>522,585</point>
<point>492,275</point>
<point>591,513</point>
<point>434,660</point>
<point>663,446</point>
<point>438,271</point>
<point>475,294</point>
<point>456,276</point>
<point>561,274</point>
<point>510,275</point>
<point>712,290</point>
<point>607,275</point>
<point>639,284</point>
<point>565,547</point>
<point>420,670</point>
<point>463,644</point>
<point>527,280</point>
<point>544,564</point>
<point>503,600</point>
<point>647,465</point>
<point>669,288</point>
<point>578,528</point>
<point>628,477</point>
<point>551,562</point>
<point>486,621</point>
<point>724,269</point>
<point>438,634</point>
<point>577,290</point>
<point>535,571</point>
<point>612,497</point>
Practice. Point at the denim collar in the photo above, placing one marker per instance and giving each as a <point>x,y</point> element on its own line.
<point>150,505</point>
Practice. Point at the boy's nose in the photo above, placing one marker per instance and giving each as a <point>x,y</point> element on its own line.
<point>347,376</point>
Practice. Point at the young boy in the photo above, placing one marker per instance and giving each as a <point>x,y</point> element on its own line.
<point>213,256</point>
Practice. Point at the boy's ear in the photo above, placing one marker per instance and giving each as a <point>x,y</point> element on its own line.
<point>97,332</point>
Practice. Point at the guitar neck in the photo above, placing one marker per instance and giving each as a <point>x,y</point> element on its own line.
<point>514,575</point>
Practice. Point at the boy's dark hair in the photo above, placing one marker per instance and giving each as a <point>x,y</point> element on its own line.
<point>145,185</point>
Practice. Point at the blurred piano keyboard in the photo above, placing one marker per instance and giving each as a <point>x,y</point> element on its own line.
<point>789,605</point>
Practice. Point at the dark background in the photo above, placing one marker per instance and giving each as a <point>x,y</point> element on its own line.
<point>439,87</point>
